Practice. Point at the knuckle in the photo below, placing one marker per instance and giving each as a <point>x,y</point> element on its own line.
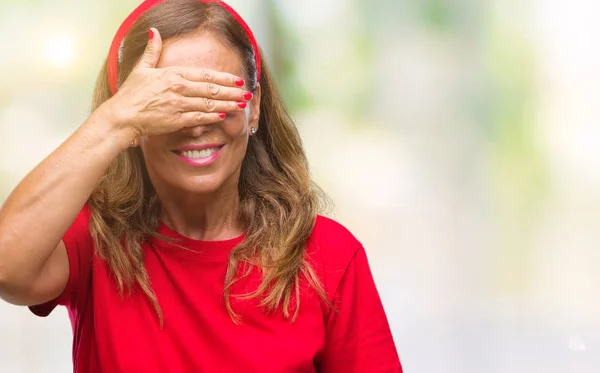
<point>168,74</point>
<point>213,90</point>
<point>199,118</point>
<point>208,76</point>
<point>177,87</point>
<point>164,117</point>
<point>166,78</point>
<point>210,104</point>
<point>177,71</point>
<point>174,101</point>
<point>171,75</point>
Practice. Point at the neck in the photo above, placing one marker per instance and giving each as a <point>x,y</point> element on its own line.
<point>211,217</point>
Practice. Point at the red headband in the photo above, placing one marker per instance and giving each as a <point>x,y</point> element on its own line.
<point>113,54</point>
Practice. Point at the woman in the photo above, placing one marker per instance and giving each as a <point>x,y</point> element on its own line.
<point>179,225</point>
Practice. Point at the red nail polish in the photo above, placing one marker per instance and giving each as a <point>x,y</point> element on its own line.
<point>239,82</point>
<point>150,34</point>
<point>242,105</point>
<point>248,95</point>
<point>222,115</point>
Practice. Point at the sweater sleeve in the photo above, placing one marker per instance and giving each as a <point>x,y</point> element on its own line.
<point>358,334</point>
<point>79,245</point>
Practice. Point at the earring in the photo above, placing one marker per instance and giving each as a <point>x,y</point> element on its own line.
<point>253,130</point>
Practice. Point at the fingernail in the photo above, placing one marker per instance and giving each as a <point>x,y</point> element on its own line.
<point>239,82</point>
<point>222,115</point>
<point>242,105</point>
<point>150,34</point>
<point>248,95</point>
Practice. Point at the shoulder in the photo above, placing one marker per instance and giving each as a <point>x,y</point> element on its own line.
<point>331,249</point>
<point>333,238</point>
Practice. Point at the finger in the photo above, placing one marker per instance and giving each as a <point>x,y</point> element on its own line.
<point>151,55</point>
<point>214,91</point>
<point>212,76</point>
<point>191,119</point>
<point>208,105</point>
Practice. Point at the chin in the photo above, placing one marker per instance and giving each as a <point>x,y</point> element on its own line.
<point>205,184</point>
<point>175,179</point>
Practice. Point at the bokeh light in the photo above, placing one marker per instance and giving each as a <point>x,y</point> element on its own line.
<point>60,50</point>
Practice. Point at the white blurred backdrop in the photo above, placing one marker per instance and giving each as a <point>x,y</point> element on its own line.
<point>459,140</point>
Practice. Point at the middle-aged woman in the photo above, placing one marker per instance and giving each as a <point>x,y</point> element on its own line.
<point>179,225</point>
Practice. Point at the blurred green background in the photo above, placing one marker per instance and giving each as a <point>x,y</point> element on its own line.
<point>458,139</point>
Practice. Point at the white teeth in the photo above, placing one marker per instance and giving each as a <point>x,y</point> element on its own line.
<point>199,154</point>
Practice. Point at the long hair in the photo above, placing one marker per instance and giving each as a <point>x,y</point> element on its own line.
<point>278,201</point>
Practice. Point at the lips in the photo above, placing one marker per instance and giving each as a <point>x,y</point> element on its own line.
<point>199,155</point>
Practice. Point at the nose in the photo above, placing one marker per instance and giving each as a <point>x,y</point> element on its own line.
<point>195,131</point>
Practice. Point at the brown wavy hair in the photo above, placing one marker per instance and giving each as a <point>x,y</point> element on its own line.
<point>278,201</point>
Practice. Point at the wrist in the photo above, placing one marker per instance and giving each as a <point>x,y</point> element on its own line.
<point>113,126</point>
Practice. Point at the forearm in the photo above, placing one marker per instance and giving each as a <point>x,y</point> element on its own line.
<point>45,203</point>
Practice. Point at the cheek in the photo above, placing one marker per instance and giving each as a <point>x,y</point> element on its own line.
<point>236,126</point>
<point>155,153</point>
<point>237,133</point>
<point>156,164</point>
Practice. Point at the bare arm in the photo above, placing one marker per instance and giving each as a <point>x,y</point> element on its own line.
<point>34,267</point>
<point>33,263</point>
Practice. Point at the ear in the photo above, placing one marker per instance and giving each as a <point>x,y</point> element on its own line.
<point>254,109</point>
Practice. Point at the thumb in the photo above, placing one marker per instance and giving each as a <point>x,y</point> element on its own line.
<point>153,49</point>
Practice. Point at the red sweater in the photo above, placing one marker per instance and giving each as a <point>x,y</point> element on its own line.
<point>117,335</point>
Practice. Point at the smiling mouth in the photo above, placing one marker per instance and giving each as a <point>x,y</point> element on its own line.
<point>199,154</point>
